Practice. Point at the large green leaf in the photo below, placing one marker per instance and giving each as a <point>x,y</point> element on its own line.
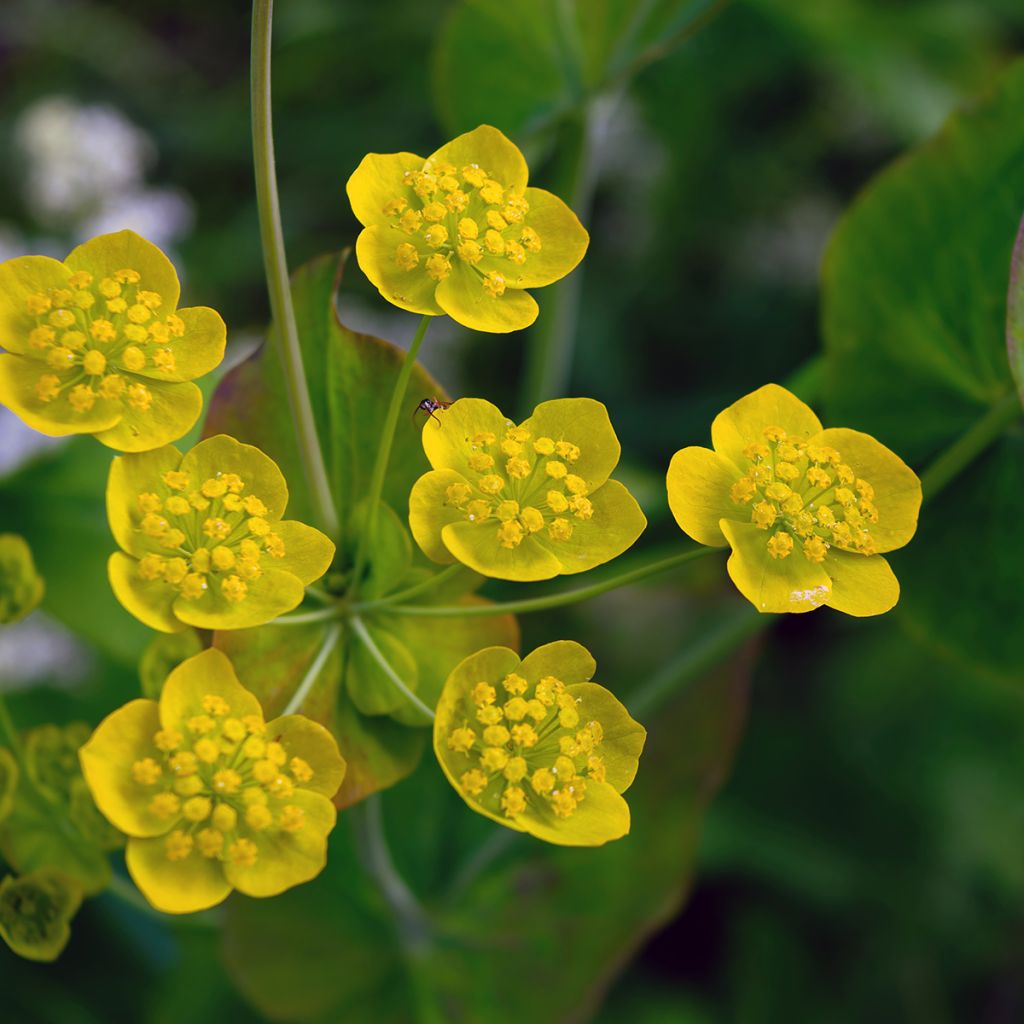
<point>545,927</point>
<point>350,378</point>
<point>915,326</point>
<point>520,66</point>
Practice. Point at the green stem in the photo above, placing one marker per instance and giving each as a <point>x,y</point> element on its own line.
<point>364,545</point>
<point>966,448</point>
<point>276,266</point>
<point>330,641</point>
<point>331,611</point>
<point>401,596</point>
<point>536,604</point>
<point>360,630</point>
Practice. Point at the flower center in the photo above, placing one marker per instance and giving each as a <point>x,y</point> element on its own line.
<point>216,778</point>
<point>213,535</point>
<point>465,215</point>
<point>528,749</point>
<point>524,484</point>
<point>806,492</point>
<point>89,330</point>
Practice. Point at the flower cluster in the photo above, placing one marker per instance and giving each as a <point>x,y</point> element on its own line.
<point>212,796</point>
<point>461,233</point>
<point>97,345</point>
<point>807,512</point>
<point>534,745</point>
<point>524,502</point>
<point>202,538</point>
<point>21,587</point>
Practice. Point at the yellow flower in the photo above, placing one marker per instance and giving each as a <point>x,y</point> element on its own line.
<point>21,588</point>
<point>461,233</point>
<point>523,502</point>
<point>202,540</point>
<point>36,911</point>
<point>213,798</point>
<point>96,344</point>
<point>532,744</point>
<point>807,512</point>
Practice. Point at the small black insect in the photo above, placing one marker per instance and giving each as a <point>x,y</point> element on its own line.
<point>430,406</point>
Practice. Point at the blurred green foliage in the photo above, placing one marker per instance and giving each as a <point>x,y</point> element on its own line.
<point>864,861</point>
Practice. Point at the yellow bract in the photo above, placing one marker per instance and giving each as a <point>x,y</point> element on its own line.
<point>532,744</point>
<point>202,539</point>
<point>807,512</point>
<point>96,344</point>
<point>461,233</point>
<point>211,796</point>
<point>523,502</point>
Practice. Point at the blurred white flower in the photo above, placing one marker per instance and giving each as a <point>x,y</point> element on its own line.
<point>19,444</point>
<point>159,214</point>
<point>41,650</point>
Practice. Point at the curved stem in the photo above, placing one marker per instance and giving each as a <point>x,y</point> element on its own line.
<point>422,587</point>
<point>536,604</point>
<point>380,467</point>
<point>966,448</point>
<point>275,263</point>
<point>360,630</point>
<point>331,611</point>
<point>313,672</point>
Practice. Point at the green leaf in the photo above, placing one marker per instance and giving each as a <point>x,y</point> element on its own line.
<point>564,919</point>
<point>350,378</point>
<point>36,911</point>
<point>915,325</point>
<point>164,653</point>
<point>522,66</point>
<point>1015,313</point>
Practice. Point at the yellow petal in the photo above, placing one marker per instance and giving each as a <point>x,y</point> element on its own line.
<point>564,659</point>
<point>601,817</point>
<point>563,240</point>
<point>105,255</point>
<point>199,350</point>
<point>130,476</point>
<point>172,413</point>
<point>175,886</point>
<point>377,180</point>
<point>445,444</point>
<point>790,584</point>
<point>429,514</point>
<point>585,423</point>
<point>20,278</point>
<point>209,673</point>
<point>259,472</point>
<point>476,545</point>
<point>861,584</point>
<point>897,487</point>
<point>150,601</point>
<point>499,157</point>
<point>273,594</point>
<point>462,296</point>
<point>18,378</point>
<point>624,738</point>
<point>302,737</point>
<point>614,527</point>
<point>285,859</point>
<point>122,738</point>
<point>409,289</point>
<point>699,481</point>
<point>308,552</point>
<point>769,406</point>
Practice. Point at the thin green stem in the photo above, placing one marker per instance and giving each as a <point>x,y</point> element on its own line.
<point>326,614</point>
<point>364,545</point>
<point>275,262</point>
<point>330,641</point>
<point>360,630</point>
<point>966,448</point>
<point>417,590</point>
<point>536,604</point>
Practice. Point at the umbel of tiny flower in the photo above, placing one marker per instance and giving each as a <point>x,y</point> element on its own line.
<point>212,797</point>
<point>202,540</point>
<point>36,911</point>
<point>97,345</point>
<point>807,512</point>
<point>461,233</point>
<point>525,502</point>
<point>21,587</point>
<point>536,746</point>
